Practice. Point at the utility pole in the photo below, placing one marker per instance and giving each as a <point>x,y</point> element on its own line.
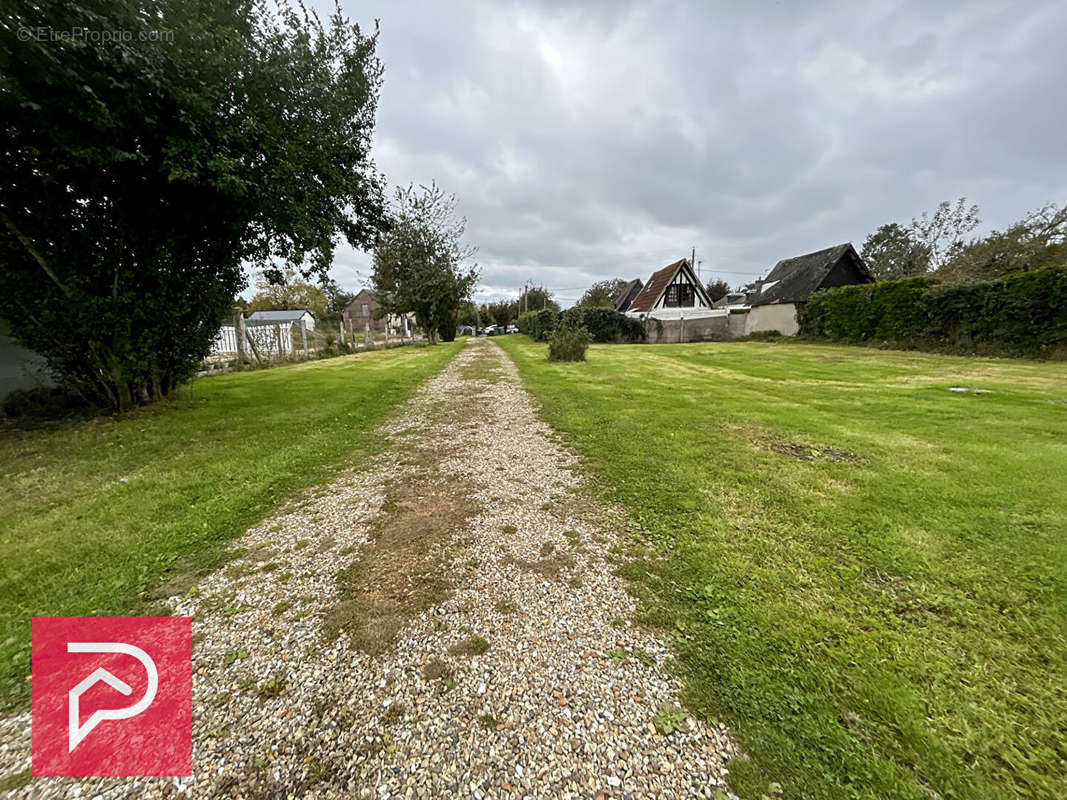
<point>693,261</point>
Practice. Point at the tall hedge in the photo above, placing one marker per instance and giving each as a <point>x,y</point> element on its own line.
<point>603,324</point>
<point>1023,314</point>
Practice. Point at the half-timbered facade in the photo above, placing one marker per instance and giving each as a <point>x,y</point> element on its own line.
<point>674,286</point>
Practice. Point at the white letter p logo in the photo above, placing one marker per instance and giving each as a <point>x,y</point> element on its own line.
<point>76,732</point>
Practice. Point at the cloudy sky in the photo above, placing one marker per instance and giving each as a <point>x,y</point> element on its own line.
<point>607,140</point>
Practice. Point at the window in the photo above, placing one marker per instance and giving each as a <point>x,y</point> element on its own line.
<point>366,310</point>
<point>679,295</point>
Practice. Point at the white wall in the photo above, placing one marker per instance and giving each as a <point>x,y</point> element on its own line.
<point>781,317</point>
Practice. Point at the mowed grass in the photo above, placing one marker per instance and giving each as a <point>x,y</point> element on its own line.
<point>96,513</point>
<point>864,572</point>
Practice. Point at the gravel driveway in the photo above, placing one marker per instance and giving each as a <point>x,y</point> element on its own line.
<point>444,620</point>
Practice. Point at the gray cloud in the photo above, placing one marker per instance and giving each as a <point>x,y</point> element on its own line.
<point>607,140</point>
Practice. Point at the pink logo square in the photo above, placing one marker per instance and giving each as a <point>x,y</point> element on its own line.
<point>112,696</point>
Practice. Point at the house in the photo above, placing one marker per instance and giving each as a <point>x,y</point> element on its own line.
<point>674,286</point>
<point>775,299</point>
<point>626,295</point>
<point>363,313</point>
<point>297,315</point>
<point>360,313</point>
<point>676,308</point>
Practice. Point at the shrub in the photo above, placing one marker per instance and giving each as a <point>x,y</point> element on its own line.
<point>608,325</point>
<point>538,324</point>
<point>569,344</point>
<point>605,325</point>
<point>1020,314</point>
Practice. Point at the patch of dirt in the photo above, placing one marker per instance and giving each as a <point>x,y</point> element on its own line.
<point>402,570</point>
<point>807,452</point>
<point>549,565</point>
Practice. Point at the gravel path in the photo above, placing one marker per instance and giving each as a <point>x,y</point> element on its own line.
<point>482,646</point>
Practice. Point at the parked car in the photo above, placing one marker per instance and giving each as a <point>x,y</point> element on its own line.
<point>513,329</point>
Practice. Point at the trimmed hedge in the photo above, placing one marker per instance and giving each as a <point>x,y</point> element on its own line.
<point>1023,314</point>
<point>604,324</point>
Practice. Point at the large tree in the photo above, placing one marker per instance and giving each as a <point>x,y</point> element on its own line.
<point>893,252</point>
<point>421,264</point>
<point>140,173</point>
<point>291,292</point>
<point>1035,241</point>
<point>942,233</point>
<point>602,294</point>
<point>537,298</point>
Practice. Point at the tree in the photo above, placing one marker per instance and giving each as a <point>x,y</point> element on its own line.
<point>337,299</point>
<point>292,293</point>
<point>893,252</point>
<point>942,233</point>
<point>602,293</point>
<point>140,174</point>
<point>1035,241</point>
<point>536,298</point>
<point>717,289</point>
<point>419,264</point>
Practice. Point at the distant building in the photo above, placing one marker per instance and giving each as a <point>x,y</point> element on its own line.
<point>775,299</point>
<point>289,317</point>
<point>626,296</point>
<point>363,313</point>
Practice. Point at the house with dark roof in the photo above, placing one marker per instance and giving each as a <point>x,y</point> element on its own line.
<point>283,317</point>
<point>624,299</point>
<point>674,286</point>
<point>777,297</point>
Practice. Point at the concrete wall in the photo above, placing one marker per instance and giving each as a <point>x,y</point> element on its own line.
<point>735,325</point>
<point>700,329</point>
<point>781,317</point>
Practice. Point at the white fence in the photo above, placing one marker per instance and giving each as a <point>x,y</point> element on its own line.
<point>270,339</point>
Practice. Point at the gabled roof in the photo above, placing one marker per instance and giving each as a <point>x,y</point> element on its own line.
<point>658,283</point>
<point>625,298</point>
<point>291,315</point>
<point>794,279</point>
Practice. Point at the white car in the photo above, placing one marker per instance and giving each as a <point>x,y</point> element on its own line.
<point>512,329</point>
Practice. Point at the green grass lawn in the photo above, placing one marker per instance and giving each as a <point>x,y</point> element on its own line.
<point>96,513</point>
<point>865,573</point>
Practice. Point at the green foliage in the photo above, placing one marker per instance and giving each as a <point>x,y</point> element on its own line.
<point>893,252</point>
<point>419,264</point>
<point>608,325</point>
<point>126,499</point>
<point>140,175</point>
<point>717,289</point>
<point>292,292</point>
<point>568,344</point>
<point>1034,242</point>
<point>604,325</point>
<point>1022,314</point>
<point>669,718</point>
<point>883,628</point>
<point>539,325</point>
<point>602,294</point>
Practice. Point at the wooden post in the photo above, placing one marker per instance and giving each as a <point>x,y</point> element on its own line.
<point>239,336</point>
<point>278,338</point>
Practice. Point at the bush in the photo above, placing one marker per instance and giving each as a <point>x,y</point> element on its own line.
<point>569,344</point>
<point>604,325</point>
<point>1023,314</point>
<point>608,325</point>
<point>538,324</point>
